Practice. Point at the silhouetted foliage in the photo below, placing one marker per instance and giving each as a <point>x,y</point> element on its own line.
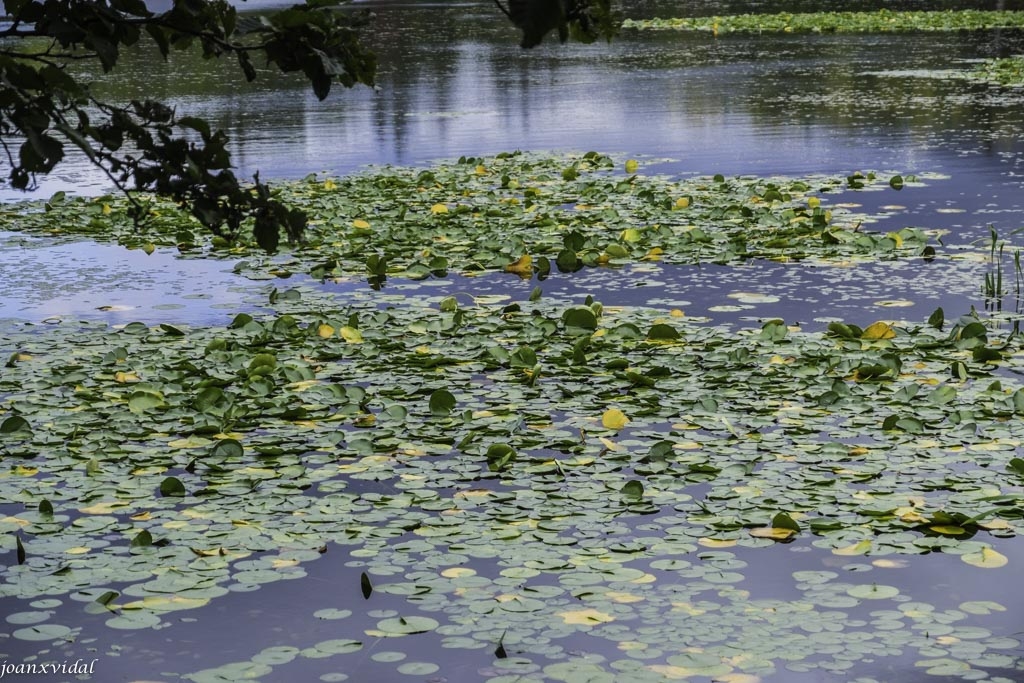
<point>144,144</point>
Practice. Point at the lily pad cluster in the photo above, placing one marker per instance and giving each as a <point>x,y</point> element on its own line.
<point>1008,71</point>
<point>881,21</point>
<point>518,213</point>
<point>523,472</point>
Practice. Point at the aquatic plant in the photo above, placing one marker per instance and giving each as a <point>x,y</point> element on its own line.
<point>884,20</point>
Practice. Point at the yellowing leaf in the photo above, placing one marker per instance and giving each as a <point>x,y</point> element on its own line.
<point>175,524</point>
<point>149,248</point>
<point>622,598</point>
<point>189,442</point>
<point>676,313</point>
<point>947,529</point>
<point>632,165</point>
<point>986,558</point>
<point>813,202</point>
<point>859,548</point>
<point>104,508</point>
<point>585,617</point>
<point>682,202</point>
<point>303,385</point>
<point>438,209</point>
<point>523,266</point>
<point>280,562</point>
<point>995,524</point>
<point>360,224</point>
<point>351,335</point>
<point>891,564</point>
<point>895,237</point>
<point>738,678</point>
<point>610,445</point>
<point>330,185</point>
<point>716,542</point>
<point>480,169</point>
<point>774,533</point>
<point>630,235</point>
<point>672,672</point>
<point>78,550</point>
<point>125,377</point>
<point>458,572</point>
<point>613,418</point>
<point>325,331</point>
<point>879,330</point>
<point>15,520</point>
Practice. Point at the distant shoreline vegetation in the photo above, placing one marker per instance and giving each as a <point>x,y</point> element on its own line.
<point>839,22</point>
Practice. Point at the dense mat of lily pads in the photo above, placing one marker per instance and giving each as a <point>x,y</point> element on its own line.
<point>517,212</point>
<point>840,22</point>
<point>593,465</point>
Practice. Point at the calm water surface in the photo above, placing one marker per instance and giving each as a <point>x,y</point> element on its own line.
<point>453,82</point>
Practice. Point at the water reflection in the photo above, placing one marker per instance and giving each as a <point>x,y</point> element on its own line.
<point>84,280</point>
<point>453,82</point>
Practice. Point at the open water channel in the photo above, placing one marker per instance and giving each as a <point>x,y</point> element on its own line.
<point>453,82</point>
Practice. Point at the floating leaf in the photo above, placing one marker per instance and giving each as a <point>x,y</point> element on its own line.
<point>663,332</point>
<point>442,402</point>
<point>400,626</point>
<point>499,456</point>
<point>873,592</point>
<point>585,617</point>
<point>351,335</point>
<point>878,330</point>
<point>580,316</point>
<point>142,539</point>
<point>613,418</point>
<point>15,423</point>
<point>227,448</point>
<point>172,486</point>
<point>986,558</point>
<point>773,533</point>
<point>523,266</point>
<point>632,489</point>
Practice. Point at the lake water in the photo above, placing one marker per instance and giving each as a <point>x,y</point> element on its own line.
<point>453,82</point>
